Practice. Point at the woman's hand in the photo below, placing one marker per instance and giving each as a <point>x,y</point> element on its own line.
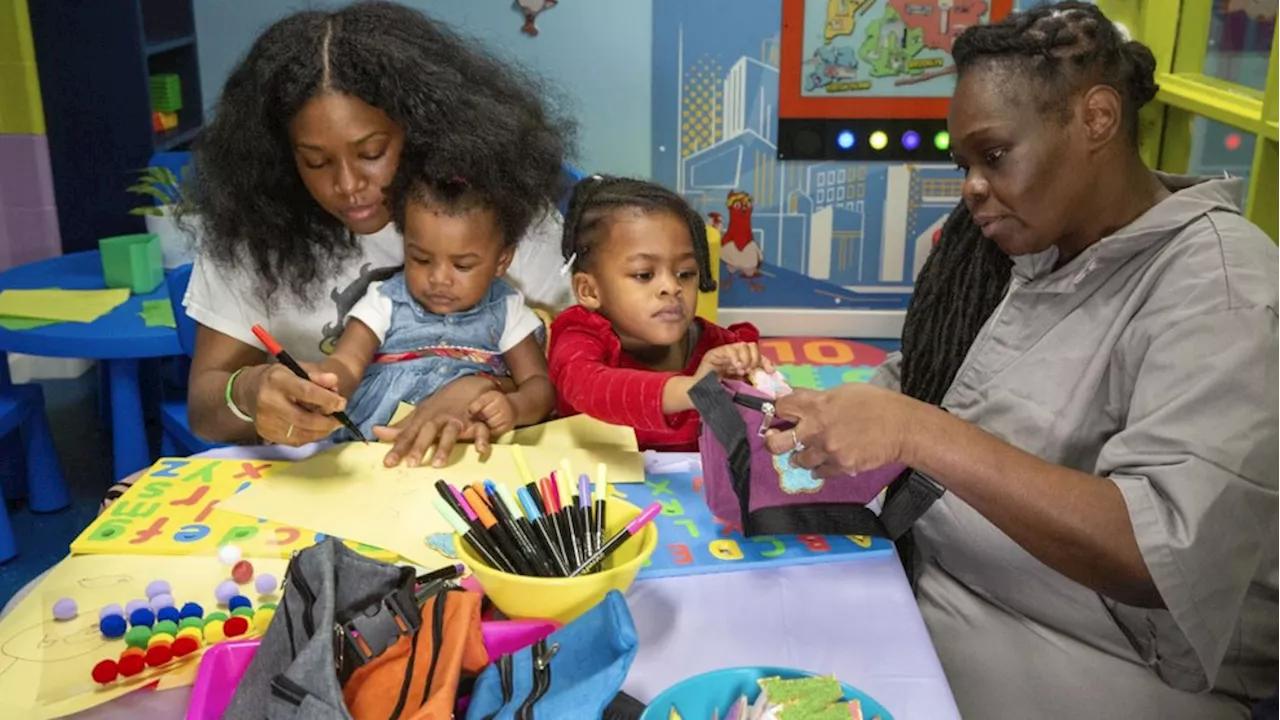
<point>286,409</point>
<point>441,420</point>
<point>845,430</point>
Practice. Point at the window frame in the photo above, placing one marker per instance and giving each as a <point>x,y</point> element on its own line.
<point>1177,31</point>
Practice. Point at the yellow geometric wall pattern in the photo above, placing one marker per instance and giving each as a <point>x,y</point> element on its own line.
<point>700,118</point>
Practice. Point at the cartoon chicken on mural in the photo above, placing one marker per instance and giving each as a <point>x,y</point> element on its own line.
<point>739,251</point>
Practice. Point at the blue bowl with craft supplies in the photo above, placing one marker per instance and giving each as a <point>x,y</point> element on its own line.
<point>713,694</point>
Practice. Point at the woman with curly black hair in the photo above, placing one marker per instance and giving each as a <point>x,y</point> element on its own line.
<point>1087,395</point>
<point>289,184</point>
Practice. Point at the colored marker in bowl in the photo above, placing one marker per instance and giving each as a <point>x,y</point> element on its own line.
<point>631,530</point>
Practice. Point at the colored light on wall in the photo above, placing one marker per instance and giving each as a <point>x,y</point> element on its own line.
<point>1233,141</point>
<point>879,140</point>
<point>942,140</point>
<point>911,140</point>
<point>845,139</point>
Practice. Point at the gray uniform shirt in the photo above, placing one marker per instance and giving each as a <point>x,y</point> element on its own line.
<point>1150,359</point>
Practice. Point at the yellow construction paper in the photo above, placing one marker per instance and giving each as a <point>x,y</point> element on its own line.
<point>173,510</point>
<point>347,492</point>
<point>45,664</point>
<point>575,431</point>
<point>62,305</point>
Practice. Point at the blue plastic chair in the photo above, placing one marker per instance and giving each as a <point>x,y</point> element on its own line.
<point>176,439</point>
<point>569,176</point>
<point>22,411</point>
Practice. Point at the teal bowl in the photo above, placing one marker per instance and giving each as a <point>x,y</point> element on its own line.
<point>701,696</point>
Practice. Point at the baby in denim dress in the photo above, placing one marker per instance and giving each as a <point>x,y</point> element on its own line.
<point>447,314</point>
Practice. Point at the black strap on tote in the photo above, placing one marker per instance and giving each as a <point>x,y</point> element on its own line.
<point>909,495</point>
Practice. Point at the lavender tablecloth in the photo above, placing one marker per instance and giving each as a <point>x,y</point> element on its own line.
<point>856,620</point>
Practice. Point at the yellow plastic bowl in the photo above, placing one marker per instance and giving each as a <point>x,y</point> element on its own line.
<point>520,597</point>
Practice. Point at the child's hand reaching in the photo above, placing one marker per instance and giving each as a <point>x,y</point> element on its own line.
<point>494,409</point>
<point>733,361</point>
<point>727,361</point>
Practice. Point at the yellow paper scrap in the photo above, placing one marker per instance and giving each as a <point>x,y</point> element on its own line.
<point>45,664</point>
<point>62,305</point>
<point>346,491</point>
<point>575,431</point>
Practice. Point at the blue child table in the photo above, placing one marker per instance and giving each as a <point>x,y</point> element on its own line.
<point>118,340</point>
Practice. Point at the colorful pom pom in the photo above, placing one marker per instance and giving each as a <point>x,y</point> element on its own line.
<point>135,605</point>
<point>132,665</point>
<point>168,627</point>
<point>169,613</point>
<point>108,610</point>
<point>191,622</point>
<point>112,626</point>
<point>267,606</point>
<point>226,590</point>
<point>244,612</point>
<point>105,671</point>
<point>242,572</point>
<point>158,587</point>
<point>229,554</point>
<point>137,636</point>
<point>132,651</point>
<point>185,646</point>
<point>239,601</point>
<point>265,584</point>
<point>262,620</point>
<point>214,632</point>
<point>191,610</point>
<point>236,626</point>
<point>216,615</point>
<point>159,655</point>
<point>196,633</point>
<point>65,609</point>
<point>159,639</point>
<point>142,616</point>
<point>161,601</point>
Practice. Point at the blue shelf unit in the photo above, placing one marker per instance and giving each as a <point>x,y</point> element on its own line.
<point>94,59</point>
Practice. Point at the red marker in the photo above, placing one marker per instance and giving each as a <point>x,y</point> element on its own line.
<point>286,360</point>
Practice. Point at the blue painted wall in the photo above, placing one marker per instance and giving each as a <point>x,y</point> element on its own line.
<point>597,52</point>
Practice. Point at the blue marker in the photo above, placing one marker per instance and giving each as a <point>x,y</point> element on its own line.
<point>539,523</point>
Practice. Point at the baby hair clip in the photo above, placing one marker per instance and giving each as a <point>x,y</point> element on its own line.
<point>568,264</point>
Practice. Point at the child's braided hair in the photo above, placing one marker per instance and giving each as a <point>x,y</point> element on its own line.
<point>597,199</point>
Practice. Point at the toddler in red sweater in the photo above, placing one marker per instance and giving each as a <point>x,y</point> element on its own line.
<point>632,348</point>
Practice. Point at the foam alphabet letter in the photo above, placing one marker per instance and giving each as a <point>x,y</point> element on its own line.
<point>816,543</point>
<point>124,508</point>
<point>147,533</point>
<point>863,541</point>
<point>672,507</point>
<point>776,547</point>
<point>680,554</point>
<point>191,533</point>
<point>689,525</point>
<point>109,530</point>
<point>238,534</point>
<point>725,549</point>
<point>153,490</point>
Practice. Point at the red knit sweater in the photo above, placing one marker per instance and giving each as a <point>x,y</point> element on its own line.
<point>593,375</point>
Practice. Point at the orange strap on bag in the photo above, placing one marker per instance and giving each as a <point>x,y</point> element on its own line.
<point>417,677</point>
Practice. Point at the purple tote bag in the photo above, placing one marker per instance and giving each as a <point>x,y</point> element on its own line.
<point>744,483</point>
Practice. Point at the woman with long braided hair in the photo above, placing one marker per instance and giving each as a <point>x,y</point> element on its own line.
<point>1088,377</point>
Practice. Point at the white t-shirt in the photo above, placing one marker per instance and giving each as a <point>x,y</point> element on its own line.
<point>226,299</point>
<point>374,310</point>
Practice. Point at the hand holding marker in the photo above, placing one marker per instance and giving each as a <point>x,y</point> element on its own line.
<point>517,537</point>
<point>287,360</point>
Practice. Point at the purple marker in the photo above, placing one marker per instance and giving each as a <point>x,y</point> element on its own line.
<point>635,526</point>
<point>585,515</point>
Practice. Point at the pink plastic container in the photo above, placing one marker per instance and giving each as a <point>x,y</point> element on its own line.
<point>224,664</point>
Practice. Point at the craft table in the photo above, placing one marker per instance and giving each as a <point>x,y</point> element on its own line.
<point>118,340</point>
<point>856,620</point>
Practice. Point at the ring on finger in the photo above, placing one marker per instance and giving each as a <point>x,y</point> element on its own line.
<point>795,440</point>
